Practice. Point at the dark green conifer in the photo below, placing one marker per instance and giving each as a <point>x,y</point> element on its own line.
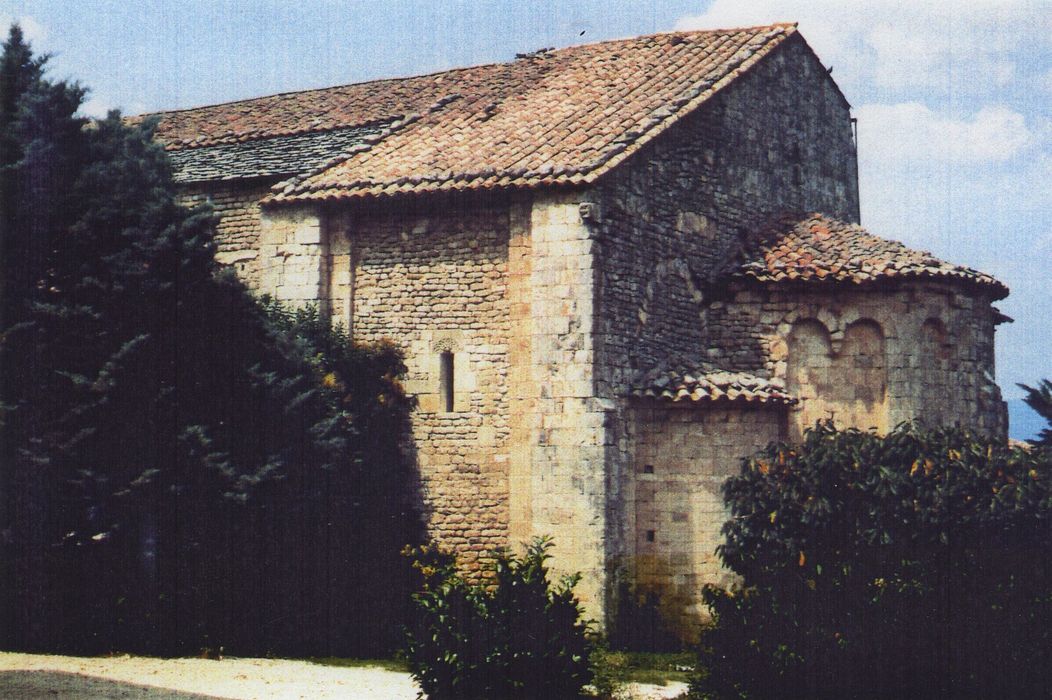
<point>179,474</point>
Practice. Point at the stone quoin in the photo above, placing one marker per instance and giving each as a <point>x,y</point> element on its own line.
<point>615,269</point>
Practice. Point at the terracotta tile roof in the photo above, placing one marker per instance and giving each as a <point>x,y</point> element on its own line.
<point>819,248</point>
<point>709,384</point>
<point>555,117</point>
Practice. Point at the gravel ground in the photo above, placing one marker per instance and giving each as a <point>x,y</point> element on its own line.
<point>35,676</point>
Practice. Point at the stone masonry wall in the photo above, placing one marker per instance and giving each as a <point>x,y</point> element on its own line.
<point>434,282</point>
<point>566,426</point>
<point>869,356</point>
<point>238,231</point>
<point>292,250</point>
<point>674,216</point>
<point>779,139</point>
<point>865,357</point>
<point>850,385</point>
<point>681,455</point>
<point>507,287</point>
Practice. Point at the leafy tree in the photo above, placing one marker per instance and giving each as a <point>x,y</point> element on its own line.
<point>1039,398</point>
<point>184,467</point>
<point>915,564</point>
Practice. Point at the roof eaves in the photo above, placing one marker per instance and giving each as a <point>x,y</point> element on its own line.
<point>292,191</point>
<point>984,282</point>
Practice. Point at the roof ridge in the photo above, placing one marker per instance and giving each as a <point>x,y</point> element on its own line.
<point>371,81</point>
<point>723,30</point>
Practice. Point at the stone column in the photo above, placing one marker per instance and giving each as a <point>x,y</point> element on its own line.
<point>567,424</point>
<point>523,420</point>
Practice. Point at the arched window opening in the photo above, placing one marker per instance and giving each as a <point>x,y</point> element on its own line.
<point>445,381</point>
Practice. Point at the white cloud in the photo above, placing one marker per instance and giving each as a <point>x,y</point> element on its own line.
<point>96,107</point>
<point>969,188</point>
<point>911,132</point>
<point>970,47</point>
<point>907,56</point>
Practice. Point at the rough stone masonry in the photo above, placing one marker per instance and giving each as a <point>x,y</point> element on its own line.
<point>615,270</point>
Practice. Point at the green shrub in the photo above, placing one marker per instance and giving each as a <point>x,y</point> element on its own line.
<point>1039,399</point>
<point>515,635</point>
<point>913,565</point>
<point>609,672</point>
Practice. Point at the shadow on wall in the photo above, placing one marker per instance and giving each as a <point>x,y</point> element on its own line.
<point>30,685</point>
<point>639,624</point>
<point>844,379</point>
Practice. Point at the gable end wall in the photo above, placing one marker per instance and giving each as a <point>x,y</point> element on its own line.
<point>779,138</point>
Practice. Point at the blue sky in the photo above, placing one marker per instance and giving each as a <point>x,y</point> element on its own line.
<point>953,98</point>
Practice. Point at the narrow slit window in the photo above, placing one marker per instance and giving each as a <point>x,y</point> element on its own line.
<point>445,381</point>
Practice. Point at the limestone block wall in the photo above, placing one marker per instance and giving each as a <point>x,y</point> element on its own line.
<point>566,425</point>
<point>505,289</point>
<point>681,455</point>
<point>292,249</point>
<point>436,281</point>
<point>523,393</point>
<point>673,217</point>
<point>849,385</point>
<point>239,227</point>
<point>869,356</point>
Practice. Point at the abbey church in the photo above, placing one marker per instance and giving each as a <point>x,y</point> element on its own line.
<point>615,269</point>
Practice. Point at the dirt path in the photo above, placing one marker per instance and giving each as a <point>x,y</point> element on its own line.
<point>31,676</point>
<point>36,676</point>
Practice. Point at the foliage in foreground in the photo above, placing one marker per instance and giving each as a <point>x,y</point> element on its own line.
<point>913,565</point>
<point>515,635</point>
<point>1039,398</point>
<point>180,467</point>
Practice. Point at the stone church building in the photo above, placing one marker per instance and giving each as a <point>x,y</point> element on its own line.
<point>615,269</point>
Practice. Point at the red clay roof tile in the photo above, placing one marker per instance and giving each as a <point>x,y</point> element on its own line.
<point>709,384</point>
<point>817,247</point>
<point>556,117</point>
